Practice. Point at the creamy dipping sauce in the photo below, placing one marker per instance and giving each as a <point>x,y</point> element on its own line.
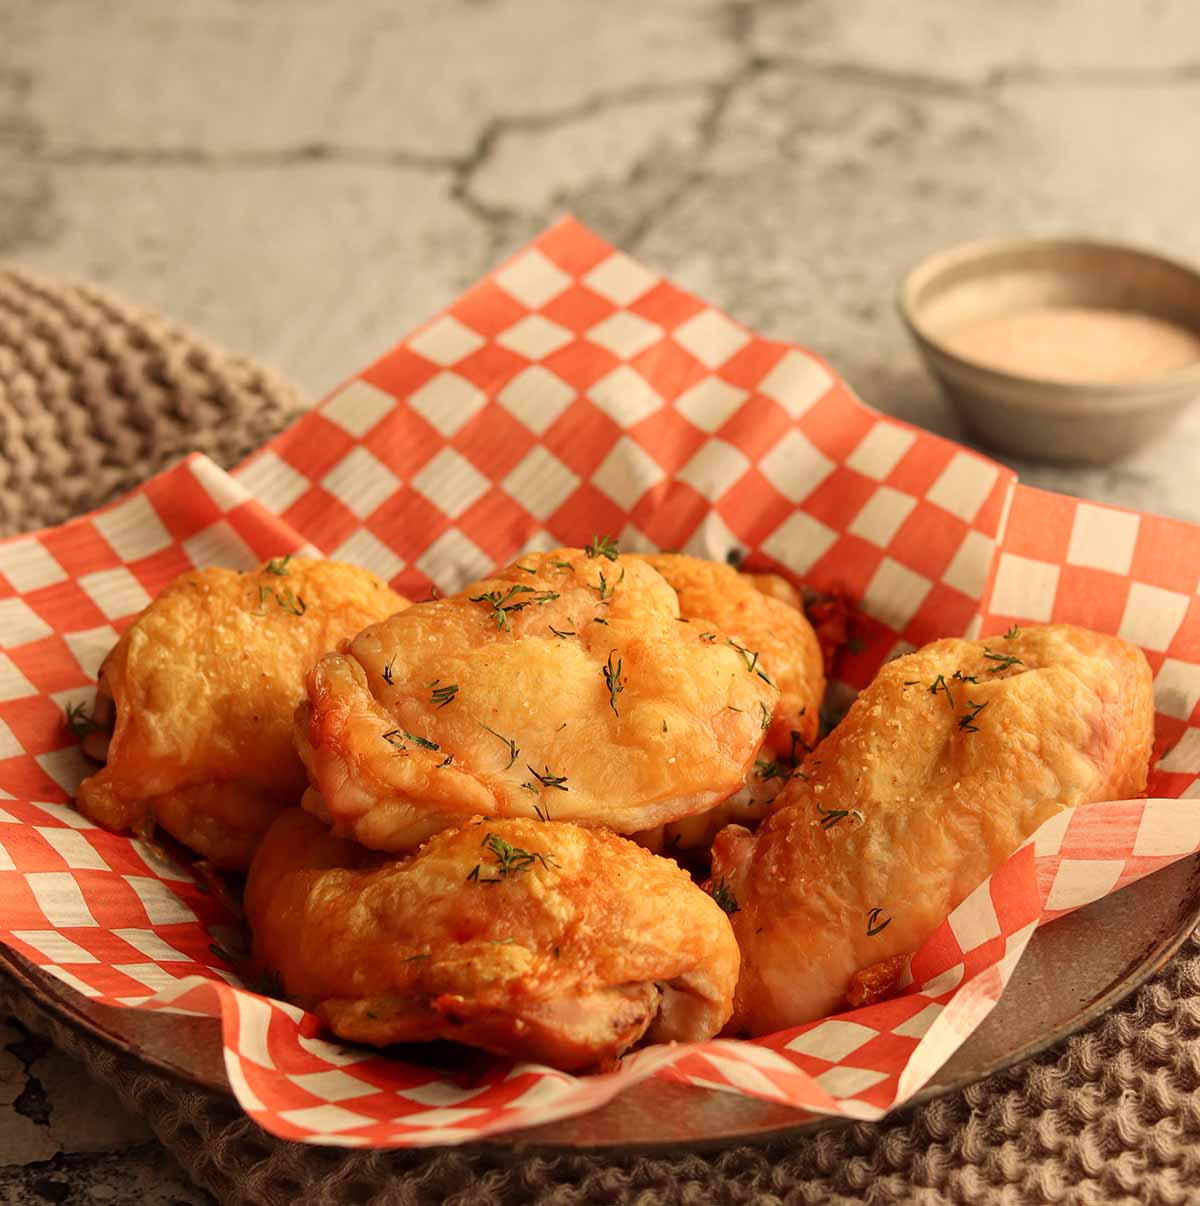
<point>1077,343</point>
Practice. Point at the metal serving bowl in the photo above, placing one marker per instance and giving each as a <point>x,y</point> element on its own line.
<point>1026,416</point>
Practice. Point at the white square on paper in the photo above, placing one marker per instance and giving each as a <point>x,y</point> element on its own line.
<point>10,747</point>
<point>20,624</point>
<point>536,397</point>
<point>1079,881</point>
<point>360,481</point>
<point>625,334</point>
<point>715,468</point>
<point>711,540</point>
<point>451,483</point>
<point>446,341</point>
<point>880,450</point>
<point>68,767</point>
<point>225,491</point>
<point>73,848</point>
<point>364,548</point>
<point>796,382</point>
<point>848,1082</point>
<point>1102,538</point>
<point>534,337</point>
<point>1184,757</point>
<point>881,517</point>
<point>1176,688</point>
<point>29,566</point>
<point>150,944</point>
<point>133,529</point>
<point>332,1085</point>
<point>60,898</point>
<point>1025,588</point>
<point>115,591</point>
<point>162,906</point>
<point>832,1040</point>
<point>219,544</point>
<point>710,403</point>
<point>540,482</point>
<point>13,684</point>
<point>625,396</point>
<point>974,922</point>
<point>453,560</point>
<point>968,568</point>
<point>918,1025</point>
<point>894,594</point>
<point>532,279</point>
<point>272,481</point>
<point>1152,616</point>
<point>620,279</point>
<point>795,467</point>
<point>91,647</point>
<point>799,542</point>
<point>963,485</point>
<point>56,947</point>
<point>1167,827</point>
<point>448,401</point>
<point>358,407</point>
<point>627,473</point>
<point>711,337</point>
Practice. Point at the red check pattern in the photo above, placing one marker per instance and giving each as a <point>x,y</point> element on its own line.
<point>573,391</point>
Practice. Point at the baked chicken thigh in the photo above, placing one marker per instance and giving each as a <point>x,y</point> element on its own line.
<point>194,704</point>
<point>538,941</point>
<point>942,767</point>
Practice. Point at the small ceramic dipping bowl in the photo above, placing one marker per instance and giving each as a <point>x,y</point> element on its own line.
<point>1062,420</point>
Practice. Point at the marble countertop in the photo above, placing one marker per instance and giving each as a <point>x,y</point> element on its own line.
<point>304,186</point>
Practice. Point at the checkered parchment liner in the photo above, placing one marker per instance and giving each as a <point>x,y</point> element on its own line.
<point>574,391</point>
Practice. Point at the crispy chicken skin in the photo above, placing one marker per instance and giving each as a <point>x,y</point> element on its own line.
<point>763,613</point>
<point>943,766</point>
<point>543,941</point>
<point>199,694</point>
<point>565,684</point>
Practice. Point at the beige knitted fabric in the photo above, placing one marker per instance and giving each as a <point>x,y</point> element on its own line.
<point>94,396</point>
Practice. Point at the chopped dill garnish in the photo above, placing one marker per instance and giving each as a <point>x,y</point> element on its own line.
<point>525,569</point>
<point>913,682</point>
<point>547,779</point>
<point>603,546</point>
<point>442,695</point>
<point>510,860</point>
<point>79,720</point>
<point>543,814</point>
<point>421,741</point>
<point>606,589</point>
<point>513,748</point>
<point>291,603</point>
<point>613,681</point>
<point>414,958</point>
<point>395,738</point>
<point>708,636</point>
<point>766,771</point>
<point>731,708</point>
<point>557,633</point>
<point>445,761</point>
<point>1002,660</point>
<point>501,604</point>
<point>959,677</point>
<point>722,893</point>
<point>1014,631</point>
<point>664,726</point>
<point>434,595</point>
<point>563,565</point>
<point>872,919</point>
<point>798,740</point>
<point>750,657</point>
<point>278,566</point>
<point>966,722</point>
<point>387,670</point>
<point>831,816</point>
<point>766,716</point>
<point>940,684</point>
<point>681,620</point>
<point>598,620</point>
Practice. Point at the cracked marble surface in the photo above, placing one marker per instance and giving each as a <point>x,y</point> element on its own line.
<point>304,181</point>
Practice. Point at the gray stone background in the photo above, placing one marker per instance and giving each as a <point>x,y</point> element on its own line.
<point>304,180</point>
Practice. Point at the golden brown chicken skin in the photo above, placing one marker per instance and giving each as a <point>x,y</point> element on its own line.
<point>195,701</point>
<point>538,941</point>
<point>943,766</point>
<point>565,686</point>
<point>763,613</point>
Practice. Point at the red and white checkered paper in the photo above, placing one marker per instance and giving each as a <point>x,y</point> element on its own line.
<point>575,391</point>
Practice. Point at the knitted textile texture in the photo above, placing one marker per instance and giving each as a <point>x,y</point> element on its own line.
<point>96,395</point>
